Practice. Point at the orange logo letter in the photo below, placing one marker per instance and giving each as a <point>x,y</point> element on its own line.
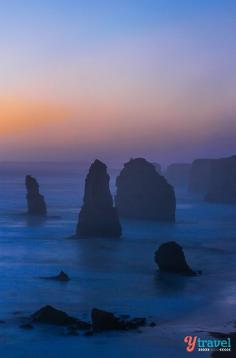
<point>191,343</point>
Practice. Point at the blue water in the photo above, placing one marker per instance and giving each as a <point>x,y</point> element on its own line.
<point>119,275</point>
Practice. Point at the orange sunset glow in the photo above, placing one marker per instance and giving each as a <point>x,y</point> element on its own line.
<point>76,87</point>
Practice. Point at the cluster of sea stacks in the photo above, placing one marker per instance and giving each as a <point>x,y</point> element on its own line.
<point>213,179</point>
<point>143,193</point>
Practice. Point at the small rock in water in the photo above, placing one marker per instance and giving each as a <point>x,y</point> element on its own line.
<point>170,258</point>
<point>51,315</point>
<point>152,324</point>
<point>103,320</point>
<point>62,276</point>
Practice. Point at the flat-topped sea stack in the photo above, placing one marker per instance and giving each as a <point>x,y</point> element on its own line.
<point>177,174</point>
<point>98,217</point>
<point>199,178</point>
<point>35,201</point>
<point>222,183</point>
<point>143,194</point>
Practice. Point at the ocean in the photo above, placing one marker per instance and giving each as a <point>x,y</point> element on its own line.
<point>118,275</point>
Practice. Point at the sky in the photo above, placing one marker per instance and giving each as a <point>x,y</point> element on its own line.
<point>115,79</point>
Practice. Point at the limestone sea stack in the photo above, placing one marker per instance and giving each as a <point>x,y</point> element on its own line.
<point>222,183</point>
<point>170,258</point>
<point>98,217</point>
<point>143,194</point>
<point>199,178</point>
<point>35,201</point>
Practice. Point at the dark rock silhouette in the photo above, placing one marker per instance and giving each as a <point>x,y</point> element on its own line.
<point>98,217</point>
<point>200,174</point>
<point>177,174</point>
<point>157,167</point>
<point>51,315</point>
<point>35,201</point>
<point>142,193</point>
<point>170,258</point>
<point>62,276</point>
<point>222,183</point>
<point>103,321</point>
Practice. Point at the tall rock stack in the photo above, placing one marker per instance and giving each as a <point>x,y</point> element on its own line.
<point>35,201</point>
<point>222,183</point>
<point>98,217</point>
<point>143,194</point>
<point>200,174</point>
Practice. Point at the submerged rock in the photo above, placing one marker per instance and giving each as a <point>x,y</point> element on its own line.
<point>51,315</point>
<point>62,276</point>
<point>170,258</point>
<point>177,174</point>
<point>35,201</point>
<point>142,193</point>
<point>98,217</point>
<point>103,321</point>
<point>222,182</point>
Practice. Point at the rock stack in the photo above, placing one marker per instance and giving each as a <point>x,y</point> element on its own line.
<point>35,201</point>
<point>143,194</point>
<point>170,258</point>
<point>199,177</point>
<point>98,217</point>
<point>222,183</point>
